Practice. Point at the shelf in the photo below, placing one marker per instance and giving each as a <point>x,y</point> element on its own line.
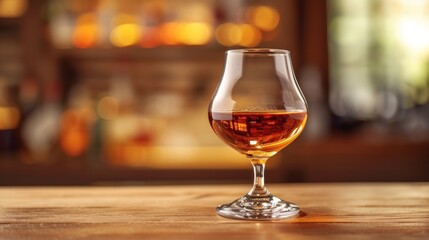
<point>167,53</point>
<point>336,159</point>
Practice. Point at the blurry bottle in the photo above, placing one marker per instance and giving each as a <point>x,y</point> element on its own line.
<point>40,129</point>
<point>29,95</point>
<point>75,132</point>
<point>10,116</point>
<point>126,132</point>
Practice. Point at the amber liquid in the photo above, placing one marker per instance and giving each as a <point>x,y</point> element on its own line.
<point>258,134</point>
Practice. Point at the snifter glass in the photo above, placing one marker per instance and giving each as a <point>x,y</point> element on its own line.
<point>258,109</point>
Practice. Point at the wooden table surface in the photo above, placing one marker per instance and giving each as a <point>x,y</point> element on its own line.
<point>329,211</point>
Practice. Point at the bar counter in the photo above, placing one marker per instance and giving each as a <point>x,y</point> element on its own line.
<point>328,211</point>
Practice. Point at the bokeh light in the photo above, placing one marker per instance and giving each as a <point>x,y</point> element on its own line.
<point>12,8</point>
<point>125,35</point>
<point>74,132</point>
<point>127,30</point>
<point>414,33</point>
<point>250,36</point>
<point>264,17</point>
<point>86,31</point>
<point>195,33</point>
<point>108,108</point>
<point>169,33</point>
<point>151,38</point>
<point>228,34</point>
<point>9,118</point>
<point>155,25</point>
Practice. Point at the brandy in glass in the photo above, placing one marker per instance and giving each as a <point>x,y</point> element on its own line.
<point>258,109</point>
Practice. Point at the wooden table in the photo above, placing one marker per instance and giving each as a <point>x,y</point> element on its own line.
<point>329,211</point>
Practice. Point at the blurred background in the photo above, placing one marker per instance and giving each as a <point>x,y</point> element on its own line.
<point>116,92</point>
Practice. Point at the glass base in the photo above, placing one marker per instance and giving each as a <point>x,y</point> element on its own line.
<point>258,208</point>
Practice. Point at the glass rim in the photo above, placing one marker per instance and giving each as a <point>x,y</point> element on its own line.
<point>258,51</point>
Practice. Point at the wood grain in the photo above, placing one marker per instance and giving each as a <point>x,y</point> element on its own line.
<point>329,211</point>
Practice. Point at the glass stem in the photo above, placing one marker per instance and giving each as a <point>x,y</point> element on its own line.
<point>259,190</point>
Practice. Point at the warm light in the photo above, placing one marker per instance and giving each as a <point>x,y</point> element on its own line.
<point>9,118</point>
<point>85,36</point>
<point>125,35</point>
<point>195,33</point>
<point>250,36</point>
<point>169,33</point>
<point>126,32</point>
<point>246,35</point>
<point>151,38</point>
<point>264,17</point>
<point>73,143</point>
<point>228,34</point>
<point>86,31</point>
<point>107,108</point>
<point>74,135</point>
<point>12,8</point>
